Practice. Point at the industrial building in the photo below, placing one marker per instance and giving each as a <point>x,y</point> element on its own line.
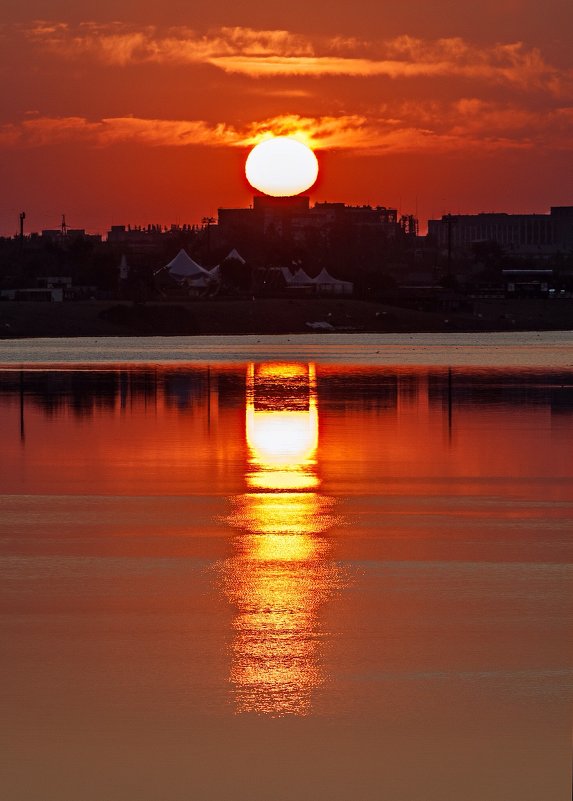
<point>527,235</point>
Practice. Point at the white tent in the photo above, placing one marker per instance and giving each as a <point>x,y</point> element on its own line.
<point>323,283</point>
<point>215,272</point>
<point>287,275</point>
<point>333,286</point>
<point>234,254</point>
<point>184,270</point>
<point>300,278</point>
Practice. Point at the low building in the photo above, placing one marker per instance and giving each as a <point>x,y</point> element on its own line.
<point>35,294</point>
<point>144,244</point>
<point>55,282</point>
<point>61,237</point>
<point>533,235</point>
<point>527,283</point>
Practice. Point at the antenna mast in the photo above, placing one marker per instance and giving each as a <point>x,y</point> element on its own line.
<point>22,218</point>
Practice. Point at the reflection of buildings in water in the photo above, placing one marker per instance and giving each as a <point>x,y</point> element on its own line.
<point>85,392</point>
<point>279,576</point>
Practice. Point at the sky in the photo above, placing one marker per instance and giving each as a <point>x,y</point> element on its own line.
<point>137,113</point>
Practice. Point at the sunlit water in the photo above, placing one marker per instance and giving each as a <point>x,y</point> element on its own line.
<point>286,578</point>
<point>541,348</point>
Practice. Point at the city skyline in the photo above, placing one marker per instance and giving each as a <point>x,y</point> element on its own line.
<point>423,228</point>
<point>144,114</point>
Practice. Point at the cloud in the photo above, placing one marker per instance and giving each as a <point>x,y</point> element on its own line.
<point>42,131</point>
<point>118,44</point>
<point>462,126</point>
<point>405,57</point>
<point>380,135</point>
<point>280,53</point>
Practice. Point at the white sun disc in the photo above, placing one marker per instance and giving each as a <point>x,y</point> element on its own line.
<point>281,167</point>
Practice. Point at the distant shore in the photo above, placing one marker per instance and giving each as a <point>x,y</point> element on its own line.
<point>273,316</point>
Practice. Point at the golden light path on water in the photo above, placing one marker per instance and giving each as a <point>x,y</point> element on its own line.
<point>279,576</point>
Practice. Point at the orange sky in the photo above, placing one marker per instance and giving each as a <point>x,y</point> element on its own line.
<point>139,113</point>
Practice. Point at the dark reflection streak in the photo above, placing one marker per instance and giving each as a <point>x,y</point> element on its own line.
<point>208,398</point>
<point>123,390</point>
<point>450,405</point>
<point>155,390</point>
<point>22,424</point>
<point>85,392</point>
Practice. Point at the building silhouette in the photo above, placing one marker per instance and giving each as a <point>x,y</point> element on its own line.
<point>293,217</point>
<point>533,235</point>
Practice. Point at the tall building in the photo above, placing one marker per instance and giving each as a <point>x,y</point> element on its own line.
<point>266,213</point>
<point>292,216</point>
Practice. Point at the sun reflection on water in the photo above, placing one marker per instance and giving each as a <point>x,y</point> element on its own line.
<point>279,576</point>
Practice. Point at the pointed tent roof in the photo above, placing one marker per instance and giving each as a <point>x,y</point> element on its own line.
<point>324,277</point>
<point>183,266</point>
<point>300,278</point>
<point>234,254</point>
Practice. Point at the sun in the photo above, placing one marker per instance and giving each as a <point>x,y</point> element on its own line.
<point>281,167</point>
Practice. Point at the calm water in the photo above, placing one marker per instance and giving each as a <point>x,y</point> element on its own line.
<point>325,577</point>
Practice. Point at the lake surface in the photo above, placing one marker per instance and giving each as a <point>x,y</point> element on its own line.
<point>287,568</point>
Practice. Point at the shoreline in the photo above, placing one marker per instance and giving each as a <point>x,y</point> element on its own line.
<point>283,316</point>
<point>497,350</point>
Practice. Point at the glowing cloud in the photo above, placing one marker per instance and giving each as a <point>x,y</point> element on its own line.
<point>279,53</point>
<point>468,123</point>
